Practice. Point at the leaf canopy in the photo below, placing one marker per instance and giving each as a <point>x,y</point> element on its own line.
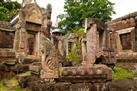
<point>77,10</point>
<point>8,9</point>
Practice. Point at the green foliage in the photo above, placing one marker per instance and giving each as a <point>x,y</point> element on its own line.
<point>122,73</point>
<point>77,10</point>
<point>79,32</point>
<point>73,55</point>
<point>3,87</point>
<point>8,9</point>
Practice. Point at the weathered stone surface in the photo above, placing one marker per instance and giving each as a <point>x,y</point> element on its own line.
<point>6,26</point>
<point>50,65</point>
<point>82,87</point>
<point>19,68</point>
<point>24,81</point>
<point>35,68</point>
<point>96,73</point>
<point>40,85</point>
<point>6,71</point>
<point>7,56</point>
<point>116,85</point>
<point>91,45</point>
<point>122,24</point>
<point>122,85</point>
<point>62,86</point>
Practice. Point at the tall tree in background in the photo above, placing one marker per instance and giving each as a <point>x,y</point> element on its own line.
<point>8,9</point>
<point>77,10</point>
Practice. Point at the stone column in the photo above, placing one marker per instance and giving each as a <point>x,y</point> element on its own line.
<point>67,47</point>
<point>133,41</point>
<point>23,40</point>
<point>91,44</point>
<point>84,50</point>
<point>38,44</point>
<point>104,43</point>
<point>117,41</point>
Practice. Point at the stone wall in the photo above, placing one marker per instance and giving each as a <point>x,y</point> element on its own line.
<point>116,85</point>
<point>123,37</point>
<point>122,24</point>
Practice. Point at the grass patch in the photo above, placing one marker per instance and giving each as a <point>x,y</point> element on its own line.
<point>12,84</point>
<point>13,80</point>
<point>3,86</point>
<point>122,73</point>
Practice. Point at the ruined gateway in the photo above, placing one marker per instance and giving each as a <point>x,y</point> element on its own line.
<point>27,40</point>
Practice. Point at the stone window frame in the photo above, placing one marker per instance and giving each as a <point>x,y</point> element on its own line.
<point>101,38</point>
<point>111,45</point>
<point>126,37</point>
<point>125,31</point>
<point>34,44</point>
<point>72,45</point>
<point>36,31</point>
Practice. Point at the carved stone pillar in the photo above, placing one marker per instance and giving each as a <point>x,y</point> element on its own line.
<point>50,65</point>
<point>84,49</point>
<point>91,45</point>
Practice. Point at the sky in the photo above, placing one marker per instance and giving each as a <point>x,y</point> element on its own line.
<point>121,7</point>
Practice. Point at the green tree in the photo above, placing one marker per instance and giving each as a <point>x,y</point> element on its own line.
<point>8,9</point>
<point>77,10</point>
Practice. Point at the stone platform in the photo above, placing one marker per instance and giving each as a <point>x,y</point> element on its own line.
<point>96,73</point>
<point>116,85</point>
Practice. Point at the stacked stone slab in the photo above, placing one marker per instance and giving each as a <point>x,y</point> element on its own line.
<point>96,73</point>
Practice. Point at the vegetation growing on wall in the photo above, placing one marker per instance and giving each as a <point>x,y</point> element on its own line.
<point>74,54</point>
<point>79,32</point>
<point>122,73</point>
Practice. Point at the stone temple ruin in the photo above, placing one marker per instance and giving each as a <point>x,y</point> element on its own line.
<point>27,40</point>
<point>23,40</point>
<point>94,50</point>
<point>123,39</point>
<point>7,53</point>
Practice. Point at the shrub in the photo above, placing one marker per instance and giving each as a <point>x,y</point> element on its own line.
<point>122,73</point>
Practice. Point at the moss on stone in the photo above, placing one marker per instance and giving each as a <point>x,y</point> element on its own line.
<point>122,73</point>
